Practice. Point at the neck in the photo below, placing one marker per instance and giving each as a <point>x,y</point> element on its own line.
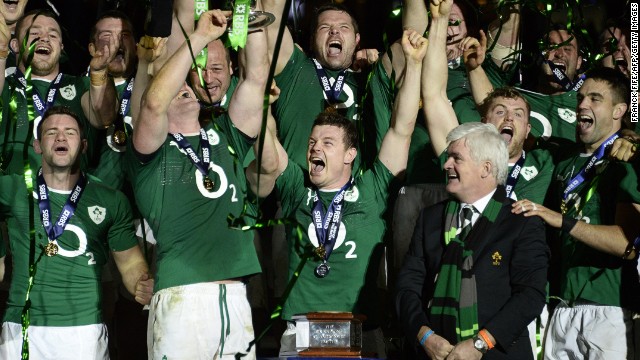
<point>591,148</point>
<point>52,75</point>
<point>480,193</point>
<point>184,126</point>
<point>64,179</point>
<point>514,159</point>
<point>336,185</point>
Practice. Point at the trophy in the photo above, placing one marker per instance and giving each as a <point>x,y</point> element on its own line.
<point>329,334</point>
<point>257,19</point>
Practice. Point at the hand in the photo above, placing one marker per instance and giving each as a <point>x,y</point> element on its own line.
<point>363,58</point>
<point>414,46</point>
<point>151,48</point>
<point>473,51</point>
<point>625,148</point>
<point>465,351</point>
<point>102,57</point>
<point>437,347</point>
<point>440,8</point>
<point>274,92</point>
<point>144,289</point>
<point>529,208</point>
<point>5,35</point>
<point>212,24</point>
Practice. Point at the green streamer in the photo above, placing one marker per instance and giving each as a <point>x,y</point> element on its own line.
<point>239,24</point>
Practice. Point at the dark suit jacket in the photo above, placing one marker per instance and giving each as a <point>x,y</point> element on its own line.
<point>510,271</point>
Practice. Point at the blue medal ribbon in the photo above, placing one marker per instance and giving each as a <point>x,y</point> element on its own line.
<point>327,225</point>
<point>562,78</point>
<point>331,93</point>
<point>515,172</point>
<point>587,171</point>
<point>38,104</point>
<point>125,101</point>
<point>54,230</point>
<point>202,165</point>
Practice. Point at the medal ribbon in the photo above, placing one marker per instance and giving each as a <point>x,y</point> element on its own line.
<point>332,94</point>
<point>54,230</point>
<point>125,104</point>
<point>239,24</point>
<point>587,171</point>
<point>327,225</point>
<point>515,172</point>
<point>562,78</point>
<point>51,93</point>
<point>202,165</point>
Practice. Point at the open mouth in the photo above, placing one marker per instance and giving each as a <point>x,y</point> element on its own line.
<point>335,48</point>
<point>507,134</point>
<point>584,122</point>
<point>452,176</point>
<point>61,149</point>
<point>560,66</point>
<point>621,63</point>
<point>120,53</point>
<point>41,50</point>
<point>11,3</point>
<point>317,165</point>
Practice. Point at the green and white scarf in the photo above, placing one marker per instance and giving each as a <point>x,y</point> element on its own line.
<point>454,308</point>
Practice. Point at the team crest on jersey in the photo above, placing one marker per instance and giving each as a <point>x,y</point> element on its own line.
<point>567,115</point>
<point>97,214</point>
<point>529,172</point>
<point>352,194</point>
<point>214,138</point>
<point>68,92</point>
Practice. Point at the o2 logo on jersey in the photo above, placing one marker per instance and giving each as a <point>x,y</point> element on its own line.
<point>82,245</point>
<point>342,231</point>
<point>546,124</point>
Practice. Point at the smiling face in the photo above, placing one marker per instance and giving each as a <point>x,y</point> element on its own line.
<point>12,10</point>
<point>105,29</point>
<point>329,158</point>
<point>465,175</point>
<point>617,59</point>
<point>598,116</point>
<point>48,47</point>
<point>60,142</point>
<point>511,117</point>
<point>565,57</point>
<point>335,39</point>
<point>217,74</point>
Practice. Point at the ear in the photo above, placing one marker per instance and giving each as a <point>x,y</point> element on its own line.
<point>350,155</point>
<point>487,166</point>
<point>83,146</point>
<point>230,68</point>
<point>619,110</point>
<point>36,147</point>
<point>92,49</point>
<point>357,39</point>
<point>528,130</point>
<point>14,45</point>
<point>579,63</point>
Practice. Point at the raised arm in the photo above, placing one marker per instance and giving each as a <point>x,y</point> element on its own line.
<point>183,14</point>
<point>99,104</point>
<point>474,53</point>
<point>437,109</point>
<point>245,107</point>
<point>274,157</point>
<point>504,32</point>
<point>153,125</point>
<point>149,49</point>
<point>394,150</point>
<point>276,7</point>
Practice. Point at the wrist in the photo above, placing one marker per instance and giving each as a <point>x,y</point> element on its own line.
<point>425,336</point>
<point>568,223</point>
<point>98,77</point>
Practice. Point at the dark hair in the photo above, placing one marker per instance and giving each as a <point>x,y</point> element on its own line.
<point>562,27</point>
<point>36,12</point>
<point>59,110</point>
<point>332,7</point>
<point>333,118</point>
<point>470,15</point>
<point>111,14</point>
<point>505,92</point>
<point>618,83</point>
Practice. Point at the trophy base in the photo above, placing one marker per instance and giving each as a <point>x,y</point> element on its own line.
<point>257,20</point>
<point>328,352</point>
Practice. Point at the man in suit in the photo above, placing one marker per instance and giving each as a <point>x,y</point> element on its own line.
<point>481,267</point>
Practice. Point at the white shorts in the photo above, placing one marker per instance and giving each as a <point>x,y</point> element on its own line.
<point>55,342</point>
<point>186,322</point>
<point>588,332</point>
